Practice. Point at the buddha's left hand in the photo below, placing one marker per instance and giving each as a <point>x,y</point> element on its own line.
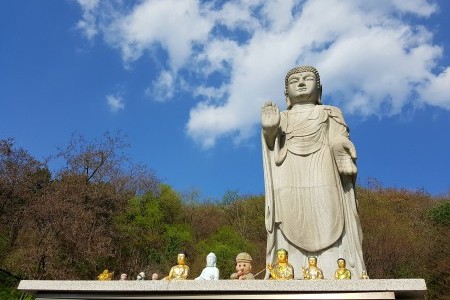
<point>344,153</point>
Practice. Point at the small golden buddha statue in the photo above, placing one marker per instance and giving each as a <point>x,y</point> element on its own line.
<point>105,275</point>
<point>282,269</point>
<point>342,272</point>
<point>180,271</point>
<point>312,272</point>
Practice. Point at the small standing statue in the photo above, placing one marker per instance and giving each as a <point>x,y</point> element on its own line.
<point>141,276</point>
<point>180,271</point>
<point>210,272</point>
<point>105,275</point>
<point>342,272</point>
<point>243,267</point>
<point>282,269</point>
<point>312,272</point>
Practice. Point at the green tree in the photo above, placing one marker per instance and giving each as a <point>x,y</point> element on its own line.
<point>151,231</point>
<point>440,213</point>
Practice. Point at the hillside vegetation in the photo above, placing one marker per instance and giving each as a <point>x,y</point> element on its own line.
<point>100,211</point>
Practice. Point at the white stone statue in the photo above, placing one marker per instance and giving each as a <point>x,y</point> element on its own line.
<point>141,276</point>
<point>309,174</point>
<point>210,272</point>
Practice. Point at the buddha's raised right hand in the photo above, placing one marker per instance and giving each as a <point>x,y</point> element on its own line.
<point>270,117</point>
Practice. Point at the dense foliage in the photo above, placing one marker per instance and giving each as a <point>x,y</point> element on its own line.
<point>100,211</point>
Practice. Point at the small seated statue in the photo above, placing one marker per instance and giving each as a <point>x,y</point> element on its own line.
<point>180,271</point>
<point>123,276</point>
<point>210,272</point>
<point>312,272</point>
<point>105,275</point>
<point>342,272</point>
<point>243,267</point>
<point>364,275</point>
<point>155,276</point>
<point>141,276</point>
<point>282,269</point>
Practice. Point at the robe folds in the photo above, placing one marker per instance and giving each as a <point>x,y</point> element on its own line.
<point>310,209</point>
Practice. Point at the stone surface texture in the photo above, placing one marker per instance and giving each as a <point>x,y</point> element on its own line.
<point>226,289</point>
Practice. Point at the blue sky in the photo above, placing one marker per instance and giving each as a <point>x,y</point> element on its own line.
<point>185,81</point>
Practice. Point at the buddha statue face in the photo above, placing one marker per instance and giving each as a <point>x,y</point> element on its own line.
<point>282,255</point>
<point>341,263</point>
<point>312,261</point>
<point>302,85</point>
<point>211,260</point>
<point>302,88</point>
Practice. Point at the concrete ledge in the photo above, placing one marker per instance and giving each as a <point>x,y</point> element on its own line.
<point>227,289</point>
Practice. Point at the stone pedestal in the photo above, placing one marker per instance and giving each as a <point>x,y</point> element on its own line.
<point>227,289</point>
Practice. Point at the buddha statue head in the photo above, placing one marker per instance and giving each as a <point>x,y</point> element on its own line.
<point>282,255</point>
<point>301,84</point>
<point>341,263</point>
<point>312,261</point>
<point>211,260</point>
<point>181,258</point>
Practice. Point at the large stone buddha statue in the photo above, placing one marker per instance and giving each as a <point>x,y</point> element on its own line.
<point>309,173</point>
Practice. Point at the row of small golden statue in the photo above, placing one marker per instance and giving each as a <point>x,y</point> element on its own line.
<point>281,270</point>
<point>107,275</point>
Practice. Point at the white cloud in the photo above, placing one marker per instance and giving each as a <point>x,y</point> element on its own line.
<point>88,23</point>
<point>210,93</point>
<point>217,55</point>
<point>374,56</point>
<point>237,15</point>
<point>174,25</point>
<point>163,87</point>
<point>115,103</point>
<point>420,7</point>
<point>437,90</point>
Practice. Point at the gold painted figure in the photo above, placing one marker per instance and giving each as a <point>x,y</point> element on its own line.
<point>180,271</point>
<point>312,272</point>
<point>282,270</point>
<point>342,272</point>
<point>105,275</point>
